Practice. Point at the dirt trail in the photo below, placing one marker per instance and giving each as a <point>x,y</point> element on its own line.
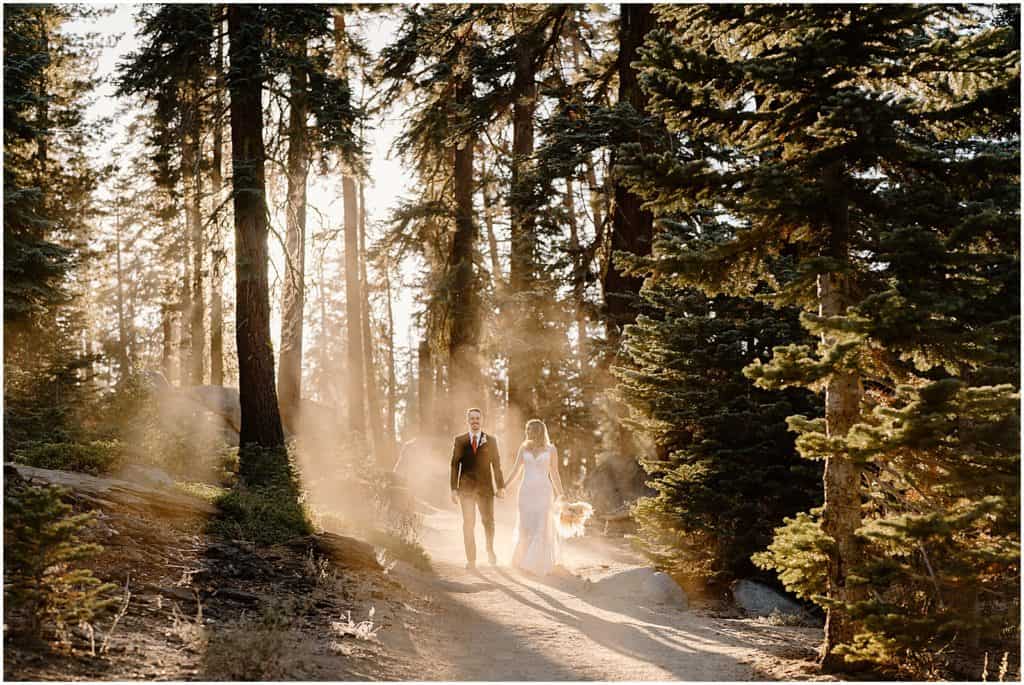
<point>496,623</point>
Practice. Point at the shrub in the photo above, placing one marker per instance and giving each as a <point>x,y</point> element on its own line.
<point>95,458</point>
<point>266,506</point>
<point>265,646</point>
<point>42,586</point>
<point>264,515</point>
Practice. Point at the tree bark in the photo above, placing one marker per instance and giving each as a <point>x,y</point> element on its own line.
<point>392,390</point>
<point>465,382</point>
<point>632,227</point>
<point>217,253</point>
<point>379,440</point>
<point>842,509</point>
<point>192,180</point>
<point>167,344</point>
<point>492,240</point>
<point>261,421</point>
<point>579,270</point>
<point>353,298</point>
<point>353,313</point>
<point>289,383</point>
<point>425,389</point>
<point>123,362</point>
<point>523,365</point>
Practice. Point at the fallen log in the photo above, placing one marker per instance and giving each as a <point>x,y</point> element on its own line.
<point>113,492</point>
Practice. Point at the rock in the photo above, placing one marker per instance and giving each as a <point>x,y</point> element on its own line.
<point>760,600</point>
<point>643,585</point>
<point>663,589</point>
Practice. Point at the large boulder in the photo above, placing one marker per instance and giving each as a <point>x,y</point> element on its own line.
<point>760,600</point>
<point>642,586</point>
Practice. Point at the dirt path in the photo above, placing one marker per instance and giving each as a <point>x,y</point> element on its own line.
<point>499,624</point>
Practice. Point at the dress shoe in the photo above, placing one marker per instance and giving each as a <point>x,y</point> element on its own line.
<point>470,565</point>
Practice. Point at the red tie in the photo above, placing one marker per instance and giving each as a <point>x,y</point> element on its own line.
<point>474,444</point>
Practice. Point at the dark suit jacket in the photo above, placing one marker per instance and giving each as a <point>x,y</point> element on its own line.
<point>475,470</point>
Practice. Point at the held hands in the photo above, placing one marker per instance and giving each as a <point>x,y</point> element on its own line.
<point>500,493</point>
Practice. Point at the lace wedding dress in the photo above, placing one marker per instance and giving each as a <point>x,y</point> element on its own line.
<point>536,540</point>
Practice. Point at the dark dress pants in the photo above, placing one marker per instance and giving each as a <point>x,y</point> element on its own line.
<point>474,497</point>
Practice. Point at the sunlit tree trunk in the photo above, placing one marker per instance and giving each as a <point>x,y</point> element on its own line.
<point>289,388</point>
<point>353,298</point>
<point>378,438</point>
<point>579,271</point>
<point>192,180</point>
<point>841,516</point>
<point>392,390</point>
<point>425,382</point>
<point>217,253</point>
<point>123,362</point>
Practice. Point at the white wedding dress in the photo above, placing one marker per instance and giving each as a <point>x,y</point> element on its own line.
<point>536,539</point>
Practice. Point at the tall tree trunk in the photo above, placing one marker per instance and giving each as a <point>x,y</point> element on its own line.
<point>379,441</point>
<point>425,389</point>
<point>465,382</point>
<point>392,390</point>
<point>323,378</point>
<point>289,382</point>
<point>123,362</point>
<point>192,180</point>
<point>523,364</point>
<point>492,240</point>
<point>632,227</point>
<point>217,253</point>
<point>167,342</point>
<point>184,308</point>
<point>353,298</point>
<point>353,310</point>
<point>261,421</point>
<point>579,271</point>
<point>841,516</point>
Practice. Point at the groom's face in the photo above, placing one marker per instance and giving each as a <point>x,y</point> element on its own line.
<point>475,420</point>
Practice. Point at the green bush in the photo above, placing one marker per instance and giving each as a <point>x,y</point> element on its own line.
<point>95,458</point>
<point>266,505</point>
<point>264,515</point>
<point>45,593</point>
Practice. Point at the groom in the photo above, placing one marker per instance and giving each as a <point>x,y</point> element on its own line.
<point>474,458</point>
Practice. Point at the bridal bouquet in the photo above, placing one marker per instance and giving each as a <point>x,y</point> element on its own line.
<point>572,517</point>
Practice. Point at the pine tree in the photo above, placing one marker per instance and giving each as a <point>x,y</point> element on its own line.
<point>724,466</point>
<point>891,185</point>
<point>49,181</point>
<point>261,421</point>
<point>172,70</point>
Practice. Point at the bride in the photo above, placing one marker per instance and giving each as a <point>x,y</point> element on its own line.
<point>536,549</point>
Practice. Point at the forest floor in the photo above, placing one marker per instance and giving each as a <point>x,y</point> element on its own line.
<point>203,608</point>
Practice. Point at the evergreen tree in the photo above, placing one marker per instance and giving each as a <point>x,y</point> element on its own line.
<point>49,209</point>
<point>724,466</point>
<point>891,184</point>
<point>172,70</point>
<point>261,421</point>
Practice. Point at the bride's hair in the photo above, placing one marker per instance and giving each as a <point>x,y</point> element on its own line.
<point>536,434</point>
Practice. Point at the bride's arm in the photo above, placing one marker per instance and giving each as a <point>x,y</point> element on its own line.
<point>556,479</point>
